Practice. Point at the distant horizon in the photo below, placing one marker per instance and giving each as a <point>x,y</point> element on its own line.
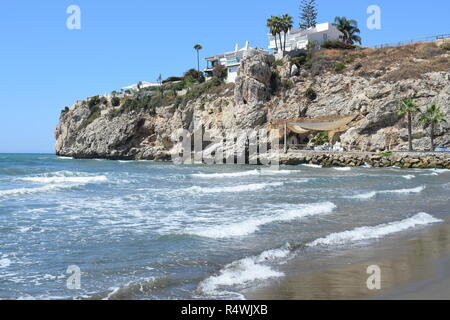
<point>122,43</point>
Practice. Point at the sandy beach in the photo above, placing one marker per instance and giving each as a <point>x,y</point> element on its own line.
<point>413,266</point>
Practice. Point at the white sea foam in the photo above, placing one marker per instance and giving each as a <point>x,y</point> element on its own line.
<point>364,196</point>
<point>226,175</point>
<point>372,194</point>
<point>238,188</point>
<point>405,191</point>
<point>243,272</point>
<point>408,177</point>
<point>5,262</point>
<point>312,166</point>
<point>81,180</point>
<point>267,172</point>
<point>370,233</point>
<point>65,158</point>
<point>342,168</point>
<point>47,188</point>
<point>252,225</point>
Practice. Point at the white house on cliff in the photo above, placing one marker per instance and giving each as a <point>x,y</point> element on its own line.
<point>298,39</point>
<point>231,60</point>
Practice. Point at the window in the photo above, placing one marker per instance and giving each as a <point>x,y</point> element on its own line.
<point>232,69</point>
<point>325,36</point>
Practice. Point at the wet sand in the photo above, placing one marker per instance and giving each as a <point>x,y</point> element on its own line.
<point>415,265</point>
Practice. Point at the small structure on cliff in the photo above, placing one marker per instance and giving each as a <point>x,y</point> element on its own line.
<point>230,60</point>
<point>333,124</point>
<point>297,39</point>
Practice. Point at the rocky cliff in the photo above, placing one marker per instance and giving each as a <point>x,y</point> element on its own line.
<point>369,83</point>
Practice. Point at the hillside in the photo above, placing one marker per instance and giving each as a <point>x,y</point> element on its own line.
<point>367,82</point>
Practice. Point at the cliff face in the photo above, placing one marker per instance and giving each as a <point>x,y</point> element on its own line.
<point>369,82</point>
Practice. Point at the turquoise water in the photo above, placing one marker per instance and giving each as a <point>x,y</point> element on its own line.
<point>145,230</point>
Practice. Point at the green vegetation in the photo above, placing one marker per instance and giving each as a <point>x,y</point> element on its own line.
<point>94,101</point>
<point>149,101</point>
<point>320,138</point>
<point>432,116</point>
<point>308,14</point>
<point>386,154</point>
<point>335,44</point>
<point>95,113</point>
<point>172,79</point>
<point>65,110</point>
<point>446,46</point>
<point>408,108</point>
<point>339,67</point>
<point>220,72</point>
<point>115,101</point>
<point>311,94</point>
<point>280,25</point>
<point>349,28</point>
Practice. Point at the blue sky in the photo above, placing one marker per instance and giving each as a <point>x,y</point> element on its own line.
<point>45,67</point>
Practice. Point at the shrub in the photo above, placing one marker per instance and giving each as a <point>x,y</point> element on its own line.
<point>446,46</point>
<point>336,44</point>
<point>220,71</point>
<point>386,154</point>
<point>357,66</point>
<point>279,63</point>
<point>275,81</point>
<point>311,94</point>
<point>172,79</point>
<point>339,67</point>
<point>299,61</point>
<point>95,113</point>
<point>65,110</point>
<point>94,101</point>
<point>194,74</point>
<point>115,101</point>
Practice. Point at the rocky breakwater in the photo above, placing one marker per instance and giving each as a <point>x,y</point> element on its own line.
<point>355,159</point>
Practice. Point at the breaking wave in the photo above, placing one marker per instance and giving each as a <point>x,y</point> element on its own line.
<point>238,188</point>
<point>243,272</point>
<point>48,188</point>
<point>250,226</point>
<point>372,194</point>
<point>316,166</point>
<point>81,180</point>
<point>370,233</point>
<point>343,168</point>
<point>243,174</point>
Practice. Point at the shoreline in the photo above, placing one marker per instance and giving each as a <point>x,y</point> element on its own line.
<point>413,267</point>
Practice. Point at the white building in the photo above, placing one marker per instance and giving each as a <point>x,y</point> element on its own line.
<point>298,39</point>
<point>142,85</point>
<point>230,60</point>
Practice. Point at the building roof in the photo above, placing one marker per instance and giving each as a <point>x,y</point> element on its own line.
<point>144,84</point>
<point>228,54</point>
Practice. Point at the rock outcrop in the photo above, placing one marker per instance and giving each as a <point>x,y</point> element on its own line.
<point>267,90</point>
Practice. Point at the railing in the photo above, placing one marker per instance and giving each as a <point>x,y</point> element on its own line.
<point>418,40</point>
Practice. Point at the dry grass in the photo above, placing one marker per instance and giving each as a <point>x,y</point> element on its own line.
<point>394,64</point>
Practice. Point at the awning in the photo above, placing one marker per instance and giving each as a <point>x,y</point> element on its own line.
<point>303,127</point>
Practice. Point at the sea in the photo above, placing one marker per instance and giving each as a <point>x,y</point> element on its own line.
<point>99,229</point>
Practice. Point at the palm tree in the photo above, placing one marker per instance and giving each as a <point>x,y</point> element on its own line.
<point>287,23</point>
<point>432,116</point>
<point>349,29</point>
<point>273,23</point>
<point>408,108</point>
<point>198,47</point>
